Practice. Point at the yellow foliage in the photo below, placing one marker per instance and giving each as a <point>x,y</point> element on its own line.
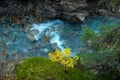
<point>63,58</point>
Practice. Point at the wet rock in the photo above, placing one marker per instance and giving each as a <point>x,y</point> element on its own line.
<point>32,34</point>
<point>75,17</point>
<point>27,27</point>
<point>105,12</point>
<point>54,46</point>
<point>68,5</point>
<point>72,11</point>
<point>116,8</point>
<point>47,9</point>
<point>16,20</point>
<point>47,38</point>
<point>39,19</point>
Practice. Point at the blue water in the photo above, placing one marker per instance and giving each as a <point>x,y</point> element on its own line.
<point>66,35</point>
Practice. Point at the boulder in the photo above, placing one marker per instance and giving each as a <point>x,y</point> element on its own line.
<point>32,34</point>
<point>104,12</point>
<point>27,27</point>
<point>75,17</point>
<point>116,9</point>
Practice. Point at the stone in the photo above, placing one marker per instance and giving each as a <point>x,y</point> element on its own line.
<point>32,34</point>
<point>39,19</point>
<point>47,9</point>
<point>54,46</point>
<point>75,17</point>
<point>30,37</point>
<point>47,38</point>
<point>116,9</point>
<point>73,5</point>
<point>104,12</point>
<point>27,27</point>
<point>81,16</point>
<point>16,20</point>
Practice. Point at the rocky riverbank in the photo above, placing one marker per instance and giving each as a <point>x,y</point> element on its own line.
<point>72,11</point>
<point>17,41</point>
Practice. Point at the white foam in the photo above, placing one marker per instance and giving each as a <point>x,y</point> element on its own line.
<point>55,37</point>
<point>43,26</point>
<point>40,28</point>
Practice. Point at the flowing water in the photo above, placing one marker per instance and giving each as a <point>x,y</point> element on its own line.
<point>52,34</point>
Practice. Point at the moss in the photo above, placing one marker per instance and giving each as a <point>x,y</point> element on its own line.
<point>38,68</point>
<point>110,69</point>
<point>87,34</point>
<point>105,60</point>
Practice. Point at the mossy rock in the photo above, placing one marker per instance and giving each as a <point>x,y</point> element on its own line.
<point>113,37</point>
<point>110,68</point>
<point>38,68</point>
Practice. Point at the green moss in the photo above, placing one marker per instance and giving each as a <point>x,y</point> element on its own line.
<point>38,68</point>
<point>106,58</point>
<point>110,69</point>
<point>87,34</point>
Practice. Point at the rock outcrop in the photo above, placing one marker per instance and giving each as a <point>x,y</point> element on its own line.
<point>70,10</point>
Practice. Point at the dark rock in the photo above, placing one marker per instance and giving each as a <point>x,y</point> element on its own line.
<point>75,16</point>
<point>32,34</point>
<point>47,9</point>
<point>104,12</point>
<point>27,27</point>
<point>116,9</point>
<point>68,5</point>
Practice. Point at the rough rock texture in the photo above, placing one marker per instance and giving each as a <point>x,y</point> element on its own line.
<point>70,10</point>
<point>110,7</point>
<point>32,34</point>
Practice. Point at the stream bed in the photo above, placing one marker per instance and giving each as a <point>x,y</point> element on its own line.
<point>51,34</point>
<point>17,44</point>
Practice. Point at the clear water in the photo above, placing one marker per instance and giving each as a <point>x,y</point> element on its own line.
<point>62,34</point>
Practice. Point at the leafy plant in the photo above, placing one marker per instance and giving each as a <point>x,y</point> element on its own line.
<point>63,58</point>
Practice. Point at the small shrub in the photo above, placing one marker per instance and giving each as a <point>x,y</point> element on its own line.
<point>63,58</point>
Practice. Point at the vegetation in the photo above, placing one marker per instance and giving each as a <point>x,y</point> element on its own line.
<point>103,61</point>
<point>110,68</point>
<point>38,68</point>
<point>87,34</point>
<point>111,2</point>
<point>63,58</point>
